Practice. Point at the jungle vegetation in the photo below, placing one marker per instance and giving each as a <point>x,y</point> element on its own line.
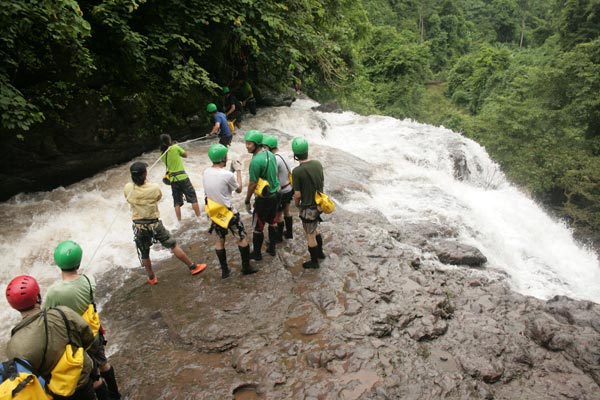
<point>521,77</point>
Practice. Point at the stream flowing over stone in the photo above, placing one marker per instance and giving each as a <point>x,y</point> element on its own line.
<point>441,279</point>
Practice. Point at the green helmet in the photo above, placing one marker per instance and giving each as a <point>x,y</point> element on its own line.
<point>299,146</point>
<point>217,153</point>
<point>254,136</point>
<point>211,107</point>
<point>270,141</point>
<point>67,255</point>
<point>225,89</point>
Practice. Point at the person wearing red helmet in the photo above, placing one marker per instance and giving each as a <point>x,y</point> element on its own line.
<point>77,291</point>
<point>41,336</point>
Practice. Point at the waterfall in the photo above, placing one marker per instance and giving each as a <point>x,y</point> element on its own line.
<point>418,173</point>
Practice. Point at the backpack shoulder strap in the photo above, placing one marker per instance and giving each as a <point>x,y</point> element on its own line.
<point>91,291</point>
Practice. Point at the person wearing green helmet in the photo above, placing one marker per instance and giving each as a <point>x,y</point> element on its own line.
<point>221,127</point>
<point>181,185</point>
<point>232,107</point>
<point>284,171</point>
<point>219,183</point>
<point>263,167</point>
<point>143,197</point>
<point>77,291</point>
<point>308,178</point>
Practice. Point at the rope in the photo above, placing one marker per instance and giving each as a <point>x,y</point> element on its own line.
<point>129,194</point>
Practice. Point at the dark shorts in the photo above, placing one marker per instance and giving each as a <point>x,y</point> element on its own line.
<point>265,211</point>
<point>145,235</point>
<point>98,350</point>
<point>310,219</point>
<point>234,225</point>
<point>183,188</point>
<point>286,198</point>
<point>225,140</point>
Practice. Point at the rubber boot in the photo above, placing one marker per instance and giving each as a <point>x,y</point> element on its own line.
<point>257,241</point>
<point>272,240</point>
<point>320,247</point>
<point>314,258</point>
<point>247,269</point>
<point>280,226</point>
<point>222,255</point>
<point>289,233</point>
<point>111,383</point>
<point>102,392</point>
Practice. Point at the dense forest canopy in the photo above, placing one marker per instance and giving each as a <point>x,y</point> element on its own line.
<point>521,77</point>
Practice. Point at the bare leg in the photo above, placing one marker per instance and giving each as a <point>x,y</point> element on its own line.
<point>196,208</point>
<point>148,265</point>
<point>178,212</point>
<point>180,254</point>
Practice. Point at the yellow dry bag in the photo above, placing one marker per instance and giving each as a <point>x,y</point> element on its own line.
<point>324,203</point>
<point>218,213</point>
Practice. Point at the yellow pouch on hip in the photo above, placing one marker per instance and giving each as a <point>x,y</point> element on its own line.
<point>324,203</point>
<point>262,188</point>
<point>65,375</point>
<point>218,213</point>
<point>92,318</point>
<point>231,127</point>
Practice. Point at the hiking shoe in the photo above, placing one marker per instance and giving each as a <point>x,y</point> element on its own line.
<point>197,268</point>
<point>153,281</point>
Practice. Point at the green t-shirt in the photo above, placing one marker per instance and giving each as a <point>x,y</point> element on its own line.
<point>74,294</point>
<point>264,165</point>
<point>174,162</point>
<point>308,178</point>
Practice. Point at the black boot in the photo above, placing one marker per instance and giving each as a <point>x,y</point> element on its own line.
<point>257,241</point>
<point>289,233</point>
<point>272,240</point>
<point>280,226</point>
<point>111,383</point>
<point>314,258</point>
<point>222,255</point>
<point>102,392</point>
<point>246,267</point>
<point>320,247</point>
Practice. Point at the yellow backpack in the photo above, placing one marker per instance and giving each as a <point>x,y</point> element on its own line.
<point>19,382</point>
<point>218,213</point>
<point>91,314</point>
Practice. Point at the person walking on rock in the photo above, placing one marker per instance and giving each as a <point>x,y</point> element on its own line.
<point>180,182</point>
<point>143,197</point>
<point>221,127</point>
<point>307,179</point>
<point>77,291</point>
<point>263,168</point>
<point>41,336</point>
<point>284,171</point>
<point>219,183</point>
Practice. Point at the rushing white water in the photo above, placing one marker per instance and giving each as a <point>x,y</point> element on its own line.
<point>413,180</point>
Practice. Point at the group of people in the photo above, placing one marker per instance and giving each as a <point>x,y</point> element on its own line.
<point>64,317</point>
<point>67,316</point>
<point>272,183</point>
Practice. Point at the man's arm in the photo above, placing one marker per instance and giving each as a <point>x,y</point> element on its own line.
<point>297,197</point>
<point>215,128</point>
<point>238,176</point>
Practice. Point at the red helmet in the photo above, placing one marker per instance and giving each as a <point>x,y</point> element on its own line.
<point>22,292</point>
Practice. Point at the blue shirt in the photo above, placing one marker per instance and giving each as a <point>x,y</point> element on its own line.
<point>222,120</point>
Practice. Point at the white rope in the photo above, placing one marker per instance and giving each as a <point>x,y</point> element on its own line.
<point>129,194</point>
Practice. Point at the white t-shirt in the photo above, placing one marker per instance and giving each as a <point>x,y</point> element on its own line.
<point>218,186</point>
<point>284,166</point>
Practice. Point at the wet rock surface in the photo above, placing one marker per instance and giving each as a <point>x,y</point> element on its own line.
<point>368,324</point>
